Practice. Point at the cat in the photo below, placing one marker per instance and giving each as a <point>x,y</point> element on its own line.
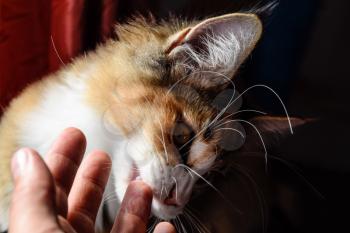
<point>147,100</point>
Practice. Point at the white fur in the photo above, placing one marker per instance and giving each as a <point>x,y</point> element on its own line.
<point>222,54</point>
<point>197,150</point>
<point>63,105</point>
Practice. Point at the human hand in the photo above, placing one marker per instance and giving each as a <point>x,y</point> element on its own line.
<point>64,194</point>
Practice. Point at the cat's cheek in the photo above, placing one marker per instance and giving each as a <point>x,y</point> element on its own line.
<point>139,149</point>
<point>203,156</point>
<point>149,173</point>
<point>204,166</point>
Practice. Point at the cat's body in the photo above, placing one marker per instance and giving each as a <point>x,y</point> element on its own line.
<point>142,99</point>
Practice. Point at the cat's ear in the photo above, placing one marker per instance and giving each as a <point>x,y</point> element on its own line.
<point>215,48</point>
<point>271,131</point>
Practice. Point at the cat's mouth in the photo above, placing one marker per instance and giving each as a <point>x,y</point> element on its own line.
<point>162,208</point>
<point>164,211</point>
<point>135,175</point>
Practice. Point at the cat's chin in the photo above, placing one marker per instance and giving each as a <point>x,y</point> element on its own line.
<point>163,211</point>
<point>159,208</point>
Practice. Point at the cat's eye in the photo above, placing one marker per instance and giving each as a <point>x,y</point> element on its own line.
<point>182,136</point>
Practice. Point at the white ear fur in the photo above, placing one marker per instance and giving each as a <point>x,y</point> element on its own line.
<point>218,45</point>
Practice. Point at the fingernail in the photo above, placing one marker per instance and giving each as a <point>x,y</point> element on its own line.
<point>164,227</point>
<point>20,162</point>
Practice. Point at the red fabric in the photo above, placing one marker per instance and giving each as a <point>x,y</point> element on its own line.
<point>66,29</point>
<point>108,15</point>
<point>24,29</point>
<point>35,35</point>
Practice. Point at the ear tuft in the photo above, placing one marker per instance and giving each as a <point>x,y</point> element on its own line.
<point>264,10</point>
<point>218,45</point>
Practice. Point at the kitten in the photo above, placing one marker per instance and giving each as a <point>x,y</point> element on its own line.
<point>146,99</point>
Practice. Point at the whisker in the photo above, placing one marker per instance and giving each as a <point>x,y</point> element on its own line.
<point>259,193</point>
<point>154,224</point>
<point>257,130</point>
<point>181,225</point>
<point>175,187</point>
<point>163,138</point>
<point>176,224</point>
<point>210,185</point>
<point>191,222</point>
<point>232,129</point>
<point>222,112</point>
<point>182,79</point>
<point>56,51</point>
<point>161,190</point>
<point>110,197</point>
<point>166,191</point>
<point>188,220</point>
<point>201,226</point>
<point>176,83</point>
<point>241,111</point>
<point>275,93</point>
<point>164,146</point>
<point>292,168</point>
<point>163,141</point>
<point>219,114</point>
<point>189,172</point>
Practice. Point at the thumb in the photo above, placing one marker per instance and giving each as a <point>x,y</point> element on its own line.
<point>33,199</point>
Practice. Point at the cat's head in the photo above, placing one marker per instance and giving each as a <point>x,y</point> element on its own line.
<point>169,76</point>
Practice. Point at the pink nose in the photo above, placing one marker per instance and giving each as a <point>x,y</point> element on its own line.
<point>172,198</point>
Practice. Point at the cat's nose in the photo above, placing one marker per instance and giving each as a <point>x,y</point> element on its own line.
<point>172,198</point>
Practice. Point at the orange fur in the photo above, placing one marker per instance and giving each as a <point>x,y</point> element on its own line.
<point>128,83</point>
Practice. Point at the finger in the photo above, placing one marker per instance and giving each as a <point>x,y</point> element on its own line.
<point>135,209</point>
<point>66,227</point>
<point>63,160</point>
<point>87,191</point>
<point>33,199</point>
<point>65,155</point>
<point>164,227</point>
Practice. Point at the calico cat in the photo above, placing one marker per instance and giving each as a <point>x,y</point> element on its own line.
<point>147,100</point>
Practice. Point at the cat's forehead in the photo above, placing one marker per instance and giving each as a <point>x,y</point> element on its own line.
<point>141,30</point>
<point>191,109</point>
<point>144,42</point>
<point>202,60</point>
